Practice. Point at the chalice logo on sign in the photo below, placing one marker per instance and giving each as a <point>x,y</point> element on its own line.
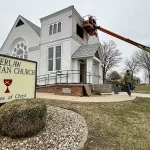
<point>7,82</point>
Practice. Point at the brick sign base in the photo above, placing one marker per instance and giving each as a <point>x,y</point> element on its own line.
<point>71,90</point>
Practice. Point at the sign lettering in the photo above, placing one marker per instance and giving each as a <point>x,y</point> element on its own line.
<point>66,90</point>
<point>17,78</point>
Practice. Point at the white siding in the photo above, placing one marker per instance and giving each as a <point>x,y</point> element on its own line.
<point>90,68</point>
<point>75,21</point>
<point>74,46</point>
<point>66,27</point>
<point>93,40</point>
<point>75,66</point>
<point>35,56</point>
<point>23,31</point>
<point>67,38</point>
<point>65,56</point>
<point>69,46</point>
<point>101,72</point>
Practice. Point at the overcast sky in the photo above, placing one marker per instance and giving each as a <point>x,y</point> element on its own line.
<point>129,18</point>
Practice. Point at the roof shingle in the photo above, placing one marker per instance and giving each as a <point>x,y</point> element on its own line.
<point>86,51</point>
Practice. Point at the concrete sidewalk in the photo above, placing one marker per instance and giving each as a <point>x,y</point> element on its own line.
<point>136,94</point>
<point>105,98</point>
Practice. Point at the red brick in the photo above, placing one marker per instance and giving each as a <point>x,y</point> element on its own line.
<point>76,90</point>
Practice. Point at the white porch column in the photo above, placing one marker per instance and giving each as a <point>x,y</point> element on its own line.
<point>97,73</point>
<point>90,69</point>
<point>101,72</point>
<point>75,66</point>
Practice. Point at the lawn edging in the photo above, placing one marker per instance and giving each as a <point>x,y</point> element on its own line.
<point>85,135</point>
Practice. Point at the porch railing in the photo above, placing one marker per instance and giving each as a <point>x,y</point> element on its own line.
<point>66,77</point>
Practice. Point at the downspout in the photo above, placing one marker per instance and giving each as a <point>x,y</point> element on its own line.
<point>92,76</point>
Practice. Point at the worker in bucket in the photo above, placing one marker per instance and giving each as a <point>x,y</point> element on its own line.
<point>127,80</point>
<point>92,21</point>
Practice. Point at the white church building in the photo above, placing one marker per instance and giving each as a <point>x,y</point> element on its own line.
<point>63,50</point>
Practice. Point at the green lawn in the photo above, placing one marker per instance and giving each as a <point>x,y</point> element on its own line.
<point>114,126</point>
<point>145,89</point>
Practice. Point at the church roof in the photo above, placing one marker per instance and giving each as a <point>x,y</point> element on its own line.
<point>70,8</point>
<point>33,26</point>
<point>20,21</point>
<point>87,51</point>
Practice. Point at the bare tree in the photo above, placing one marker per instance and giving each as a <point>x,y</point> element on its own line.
<point>111,57</point>
<point>114,75</point>
<point>146,76</point>
<point>136,80</point>
<point>132,64</point>
<point>143,59</point>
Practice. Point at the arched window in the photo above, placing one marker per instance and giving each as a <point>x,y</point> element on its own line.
<point>55,28</point>
<point>20,50</point>
<point>50,30</point>
<point>59,27</point>
<point>20,53</point>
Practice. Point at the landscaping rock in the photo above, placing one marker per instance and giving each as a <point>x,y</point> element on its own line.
<point>64,130</point>
<point>21,118</point>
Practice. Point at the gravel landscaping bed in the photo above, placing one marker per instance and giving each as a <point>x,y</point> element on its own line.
<point>64,130</point>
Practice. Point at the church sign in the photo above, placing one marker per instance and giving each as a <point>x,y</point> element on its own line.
<point>66,90</point>
<point>17,78</point>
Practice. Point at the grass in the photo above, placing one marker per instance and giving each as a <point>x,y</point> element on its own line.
<point>145,89</point>
<point>114,126</point>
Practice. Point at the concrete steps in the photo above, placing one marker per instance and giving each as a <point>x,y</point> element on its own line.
<point>87,90</point>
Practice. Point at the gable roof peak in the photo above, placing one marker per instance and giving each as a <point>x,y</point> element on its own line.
<point>32,25</point>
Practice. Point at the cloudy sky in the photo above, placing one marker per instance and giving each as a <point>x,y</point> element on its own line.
<point>129,18</point>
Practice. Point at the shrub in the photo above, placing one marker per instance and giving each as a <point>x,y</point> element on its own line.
<point>20,118</point>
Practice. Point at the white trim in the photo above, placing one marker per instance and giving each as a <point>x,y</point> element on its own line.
<point>96,59</point>
<point>62,11</point>
<point>58,40</point>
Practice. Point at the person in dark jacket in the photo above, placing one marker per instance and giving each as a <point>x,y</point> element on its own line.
<point>92,21</point>
<point>127,80</point>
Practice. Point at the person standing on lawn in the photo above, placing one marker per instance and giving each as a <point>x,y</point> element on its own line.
<point>127,80</point>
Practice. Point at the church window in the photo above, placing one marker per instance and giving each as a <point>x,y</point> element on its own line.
<point>54,58</point>
<point>25,47</point>
<point>79,31</point>
<point>59,27</point>
<point>20,50</point>
<point>18,45</point>
<point>50,30</point>
<point>50,58</point>
<point>22,45</point>
<point>58,57</point>
<point>55,28</point>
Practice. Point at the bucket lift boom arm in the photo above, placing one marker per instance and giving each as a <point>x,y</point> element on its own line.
<point>145,48</point>
<point>90,28</point>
